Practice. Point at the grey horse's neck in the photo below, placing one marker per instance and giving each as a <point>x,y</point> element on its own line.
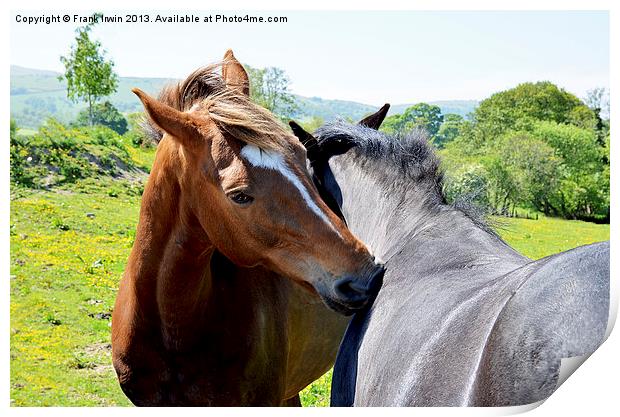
<point>398,216</point>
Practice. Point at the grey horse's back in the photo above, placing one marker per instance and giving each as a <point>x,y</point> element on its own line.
<point>560,311</point>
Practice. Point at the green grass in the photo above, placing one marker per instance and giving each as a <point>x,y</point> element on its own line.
<point>65,268</point>
<point>548,235</point>
<point>317,393</point>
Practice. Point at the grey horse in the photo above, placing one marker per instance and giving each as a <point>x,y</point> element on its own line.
<point>461,319</point>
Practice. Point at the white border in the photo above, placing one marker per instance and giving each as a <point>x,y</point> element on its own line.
<point>592,390</point>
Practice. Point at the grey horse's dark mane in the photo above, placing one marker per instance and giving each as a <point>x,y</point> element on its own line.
<point>400,161</point>
<point>405,157</point>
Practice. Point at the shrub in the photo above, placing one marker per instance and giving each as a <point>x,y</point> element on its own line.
<point>104,114</point>
<point>135,133</point>
<point>59,154</point>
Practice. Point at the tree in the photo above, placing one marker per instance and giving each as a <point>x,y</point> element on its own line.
<point>312,124</point>
<point>576,146</point>
<point>597,99</point>
<point>584,188</point>
<point>531,169</point>
<point>13,129</point>
<point>422,116</point>
<point>449,130</point>
<point>470,184</point>
<point>519,107</point>
<point>540,147</point>
<point>104,114</point>
<point>269,88</point>
<point>503,189</point>
<point>88,74</point>
<point>585,118</point>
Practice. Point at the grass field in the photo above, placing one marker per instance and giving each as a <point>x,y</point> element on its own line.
<point>68,251</point>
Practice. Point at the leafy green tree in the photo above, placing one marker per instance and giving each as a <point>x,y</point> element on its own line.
<point>312,124</point>
<point>88,74</point>
<point>470,183</point>
<point>422,116</point>
<point>449,130</point>
<point>519,107</point>
<point>269,87</point>
<point>597,100</point>
<point>13,129</point>
<point>503,188</point>
<point>104,114</point>
<point>467,145</point>
<point>605,181</point>
<point>584,187</point>
<point>585,118</point>
<point>525,172</point>
<point>540,147</point>
<point>576,146</point>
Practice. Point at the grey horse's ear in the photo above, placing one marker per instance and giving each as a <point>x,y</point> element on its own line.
<point>309,141</point>
<point>374,120</point>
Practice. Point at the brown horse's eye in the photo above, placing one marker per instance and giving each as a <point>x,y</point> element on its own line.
<point>240,198</point>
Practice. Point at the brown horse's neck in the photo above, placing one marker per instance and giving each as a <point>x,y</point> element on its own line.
<point>170,259</point>
<point>191,328</point>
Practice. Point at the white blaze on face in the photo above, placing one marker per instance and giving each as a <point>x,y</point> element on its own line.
<point>275,161</point>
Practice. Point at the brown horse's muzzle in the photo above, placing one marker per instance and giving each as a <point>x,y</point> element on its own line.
<point>348,294</point>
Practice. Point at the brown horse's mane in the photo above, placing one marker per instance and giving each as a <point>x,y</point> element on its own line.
<point>231,111</point>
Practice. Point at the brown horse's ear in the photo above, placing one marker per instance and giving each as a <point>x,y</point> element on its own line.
<point>181,126</point>
<point>374,120</point>
<point>234,74</point>
<point>306,139</point>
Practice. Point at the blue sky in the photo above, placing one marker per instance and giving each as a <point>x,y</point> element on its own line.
<point>369,57</point>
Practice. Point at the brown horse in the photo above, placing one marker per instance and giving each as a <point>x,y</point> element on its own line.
<point>220,300</point>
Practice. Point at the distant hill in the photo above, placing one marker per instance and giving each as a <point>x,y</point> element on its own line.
<point>329,109</point>
<point>38,94</point>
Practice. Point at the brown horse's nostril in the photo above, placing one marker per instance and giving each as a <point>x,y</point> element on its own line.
<point>350,291</point>
<point>355,290</point>
<point>347,288</point>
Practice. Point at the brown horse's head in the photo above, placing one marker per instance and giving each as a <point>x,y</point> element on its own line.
<point>244,177</point>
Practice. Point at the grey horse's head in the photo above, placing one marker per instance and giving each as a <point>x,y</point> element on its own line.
<point>319,152</point>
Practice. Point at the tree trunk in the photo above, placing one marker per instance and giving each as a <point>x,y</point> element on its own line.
<point>90,111</point>
<point>505,205</point>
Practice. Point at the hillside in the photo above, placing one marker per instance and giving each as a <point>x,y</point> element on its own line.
<point>38,94</point>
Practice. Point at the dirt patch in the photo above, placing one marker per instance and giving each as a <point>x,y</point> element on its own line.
<point>64,192</point>
<point>102,369</point>
<point>98,348</point>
